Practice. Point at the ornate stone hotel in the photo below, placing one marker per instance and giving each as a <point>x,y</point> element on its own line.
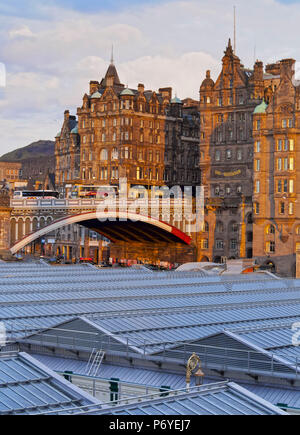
<point>240,141</point>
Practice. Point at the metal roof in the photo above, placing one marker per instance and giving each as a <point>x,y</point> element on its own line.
<point>29,387</point>
<point>157,378</point>
<point>226,398</point>
<point>150,311</point>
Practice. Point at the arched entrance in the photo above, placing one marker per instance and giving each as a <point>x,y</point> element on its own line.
<point>204,260</point>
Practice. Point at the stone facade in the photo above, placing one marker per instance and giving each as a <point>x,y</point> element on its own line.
<point>276,131</point>
<point>5,213</point>
<point>67,152</point>
<point>10,172</point>
<point>226,147</point>
<point>142,135</point>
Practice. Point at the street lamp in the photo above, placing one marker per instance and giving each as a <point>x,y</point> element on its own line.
<point>193,363</point>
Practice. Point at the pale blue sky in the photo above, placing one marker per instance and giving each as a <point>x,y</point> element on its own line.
<point>52,49</point>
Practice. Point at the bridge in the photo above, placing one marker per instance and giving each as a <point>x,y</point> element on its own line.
<point>160,223</point>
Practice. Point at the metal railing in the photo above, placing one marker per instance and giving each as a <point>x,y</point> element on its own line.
<point>105,407</point>
<point>82,203</point>
<point>213,357</point>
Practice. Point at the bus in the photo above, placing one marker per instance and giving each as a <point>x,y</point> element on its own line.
<point>34,194</point>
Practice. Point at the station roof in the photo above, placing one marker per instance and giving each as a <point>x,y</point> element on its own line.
<point>151,378</point>
<point>150,311</point>
<point>226,398</point>
<point>29,387</point>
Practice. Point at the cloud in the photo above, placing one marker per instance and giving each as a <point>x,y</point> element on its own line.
<point>52,52</point>
<point>21,32</point>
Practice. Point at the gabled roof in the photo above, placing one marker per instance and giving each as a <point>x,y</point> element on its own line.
<point>29,387</point>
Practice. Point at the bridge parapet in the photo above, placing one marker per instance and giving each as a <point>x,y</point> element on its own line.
<point>92,203</point>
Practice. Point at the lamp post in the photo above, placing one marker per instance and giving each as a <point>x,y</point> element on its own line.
<point>193,363</point>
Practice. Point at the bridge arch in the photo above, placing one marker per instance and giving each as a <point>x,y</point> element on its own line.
<point>115,226</point>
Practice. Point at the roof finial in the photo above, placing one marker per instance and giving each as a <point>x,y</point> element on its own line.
<point>112,55</point>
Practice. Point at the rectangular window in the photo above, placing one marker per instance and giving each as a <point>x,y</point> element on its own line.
<point>228,154</point>
<point>279,165</point>
<point>257,186</point>
<point>204,244</point>
<point>218,156</point>
<point>279,186</point>
<point>239,155</point>
<point>256,208</point>
<point>283,123</point>
<point>286,164</point>
<point>233,244</point>
<point>292,163</point>
<point>258,125</point>
<point>257,147</point>
<point>292,144</point>
<point>257,165</point>
<point>291,208</point>
<point>285,186</point>
<point>291,186</point>
<point>270,247</point>
<point>281,208</point>
<point>279,145</point>
<point>220,244</point>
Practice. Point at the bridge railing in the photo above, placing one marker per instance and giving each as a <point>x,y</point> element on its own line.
<point>94,203</point>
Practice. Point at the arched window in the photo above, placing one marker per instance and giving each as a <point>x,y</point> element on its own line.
<point>104,154</point>
<point>220,227</point>
<point>233,227</point>
<point>115,154</point>
<point>270,229</point>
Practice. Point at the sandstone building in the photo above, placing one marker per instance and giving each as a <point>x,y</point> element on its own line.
<point>276,194</point>
<point>226,148</point>
<point>145,136</point>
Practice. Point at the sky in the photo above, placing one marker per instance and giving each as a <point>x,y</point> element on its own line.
<point>51,50</point>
